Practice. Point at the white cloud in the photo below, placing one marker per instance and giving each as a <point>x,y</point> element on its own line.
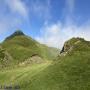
<point>12,14</point>
<point>56,34</point>
<point>51,35</point>
<point>17,6</point>
<point>8,23</point>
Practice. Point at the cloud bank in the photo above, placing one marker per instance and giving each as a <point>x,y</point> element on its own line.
<point>56,34</point>
<point>53,33</point>
<point>17,6</point>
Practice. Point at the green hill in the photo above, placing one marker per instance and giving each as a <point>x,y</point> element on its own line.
<point>22,48</point>
<point>69,71</point>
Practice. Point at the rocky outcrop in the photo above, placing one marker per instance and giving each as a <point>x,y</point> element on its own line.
<point>34,59</point>
<point>70,44</point>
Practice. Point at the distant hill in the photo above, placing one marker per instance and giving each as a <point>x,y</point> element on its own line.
<point>21,47</point>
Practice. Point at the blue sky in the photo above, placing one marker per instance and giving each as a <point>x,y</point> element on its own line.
<point>51,22</point>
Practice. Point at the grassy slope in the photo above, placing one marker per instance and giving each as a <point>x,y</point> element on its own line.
<point>19,75</point>
<point>22,47</point>
<point>70,72</point>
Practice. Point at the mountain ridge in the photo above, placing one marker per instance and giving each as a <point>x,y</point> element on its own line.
<point>21,47</point>
<point>16,33</point>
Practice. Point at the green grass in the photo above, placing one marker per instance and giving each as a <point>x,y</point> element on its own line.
<point>20,75</point>
<point>23,47</point>
<point>69,72</point>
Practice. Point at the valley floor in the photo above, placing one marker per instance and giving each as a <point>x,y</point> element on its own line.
<point>15,78</point>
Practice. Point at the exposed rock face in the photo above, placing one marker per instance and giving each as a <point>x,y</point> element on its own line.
<point>69,45</point>
<point>34,59</point>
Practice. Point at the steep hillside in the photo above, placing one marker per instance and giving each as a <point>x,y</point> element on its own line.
<point>22,47</point>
